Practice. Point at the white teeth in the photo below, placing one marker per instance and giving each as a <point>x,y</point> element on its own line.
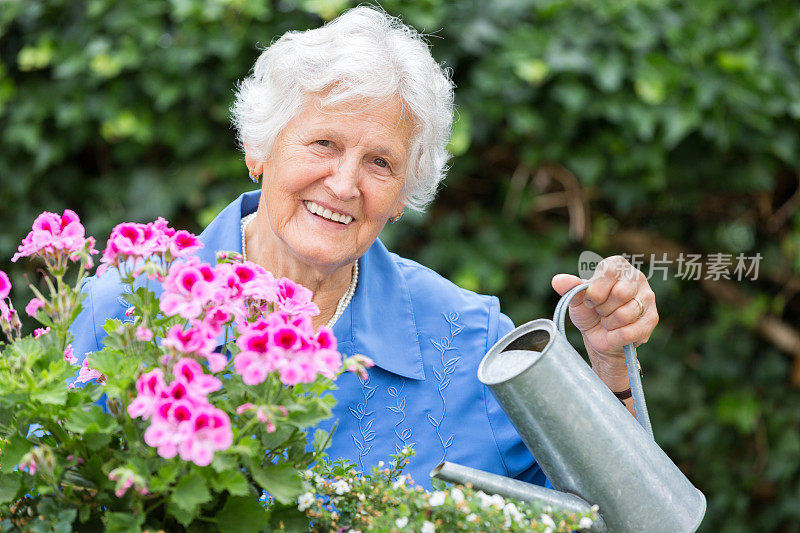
<point>327,213</point>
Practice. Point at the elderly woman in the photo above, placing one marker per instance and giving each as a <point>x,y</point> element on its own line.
<point>346,126</point>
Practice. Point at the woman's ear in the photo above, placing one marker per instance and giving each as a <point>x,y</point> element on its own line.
<point>256,167</point>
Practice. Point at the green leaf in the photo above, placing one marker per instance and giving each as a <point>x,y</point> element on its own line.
<point>290,517</point>
<point>190,493</point>
<point>121,369</point>
<point>281,481</point>
<point>242,514</point>
<point>123,522</point>
<point>96,441</point>
<point>223,462</point>
<point>93,420</point>
<point>13,451</point>
<point>181,515</point>
<point>233,481</point>
<point>54,394</point>
<point>9,486</point>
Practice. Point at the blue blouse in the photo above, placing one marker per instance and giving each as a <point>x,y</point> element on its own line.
<point>426,337</point>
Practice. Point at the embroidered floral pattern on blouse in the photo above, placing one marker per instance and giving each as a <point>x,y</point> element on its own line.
<point>360,413</point>
<point>124,303</point>
<point>443,346</point>
<point>402,434</point>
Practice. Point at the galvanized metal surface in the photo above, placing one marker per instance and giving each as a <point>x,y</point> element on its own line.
<point>513,488</point>
<point>639,405</point>
<point>584,439</point>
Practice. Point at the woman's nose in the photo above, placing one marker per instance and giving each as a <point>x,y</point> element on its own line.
<point>342,183</point>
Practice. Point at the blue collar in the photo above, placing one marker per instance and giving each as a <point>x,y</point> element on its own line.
<point>380,314</point>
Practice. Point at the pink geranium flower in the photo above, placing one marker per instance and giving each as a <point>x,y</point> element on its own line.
<point>294,298</point>
<point>38,332</point>
<point>5,285</point>
<point>209,431</point>
<point>87,374</point>
<point>169,426</point>
<point>69,355</point>
<point>151,389</point>
<point>33,307</point>
<point>286,344</point>
<point>53,234</point>
<point>191,373</point>
<point>184,244</point>
<point>197,339</point>
<point>144,334</point>
<point>137,243</point>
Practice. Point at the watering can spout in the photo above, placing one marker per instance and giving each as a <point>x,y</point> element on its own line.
<point>514,488</point>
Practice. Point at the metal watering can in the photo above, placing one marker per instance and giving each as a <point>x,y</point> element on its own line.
<point>584,439</point>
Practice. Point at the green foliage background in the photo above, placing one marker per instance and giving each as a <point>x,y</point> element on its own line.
<point>612,125</point>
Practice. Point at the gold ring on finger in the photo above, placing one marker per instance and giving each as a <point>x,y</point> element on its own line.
<point>641,307</point>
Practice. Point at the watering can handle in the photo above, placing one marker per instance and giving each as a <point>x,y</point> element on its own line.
<point>630,358</point>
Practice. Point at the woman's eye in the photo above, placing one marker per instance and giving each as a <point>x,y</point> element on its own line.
<point>323,142</point>
<point>381,162</point>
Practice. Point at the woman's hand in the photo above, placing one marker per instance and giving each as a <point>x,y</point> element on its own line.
<point>618,308</point>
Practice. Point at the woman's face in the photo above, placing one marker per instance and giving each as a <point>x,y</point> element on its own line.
<point>334,178</point>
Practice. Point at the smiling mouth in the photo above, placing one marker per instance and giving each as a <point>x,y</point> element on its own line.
<point>333,216</point>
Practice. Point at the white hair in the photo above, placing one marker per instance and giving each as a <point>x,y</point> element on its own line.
<point>362,56</point>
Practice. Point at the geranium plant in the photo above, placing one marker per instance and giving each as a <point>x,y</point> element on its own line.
<point>160,430</point>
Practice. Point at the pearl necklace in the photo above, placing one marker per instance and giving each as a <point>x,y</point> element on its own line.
<point>344,301</point>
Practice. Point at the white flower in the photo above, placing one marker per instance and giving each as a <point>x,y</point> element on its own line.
<point>428,527</point>
<point>457,495</point>
<point>401,522</point>
<point>305,501</point>
<point>319,480</point>
<point>380,464</point>
<point>486,500</point>
<point>399,483</point>
<point>595,508</point>
<point>361,497</point>
<point>497,501</point>
<point>585,523</point>
<point>340,487</point>
<point>548,529</point>
<point>472,517</point>
<point>511,511</point>
<point>546,520</point>
<point>437,498</point>
<point>308,474</point>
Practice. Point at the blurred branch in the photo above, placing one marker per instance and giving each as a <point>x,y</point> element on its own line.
<point>785,212</point>
<point>573,197</point>
<point>772,329</point>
